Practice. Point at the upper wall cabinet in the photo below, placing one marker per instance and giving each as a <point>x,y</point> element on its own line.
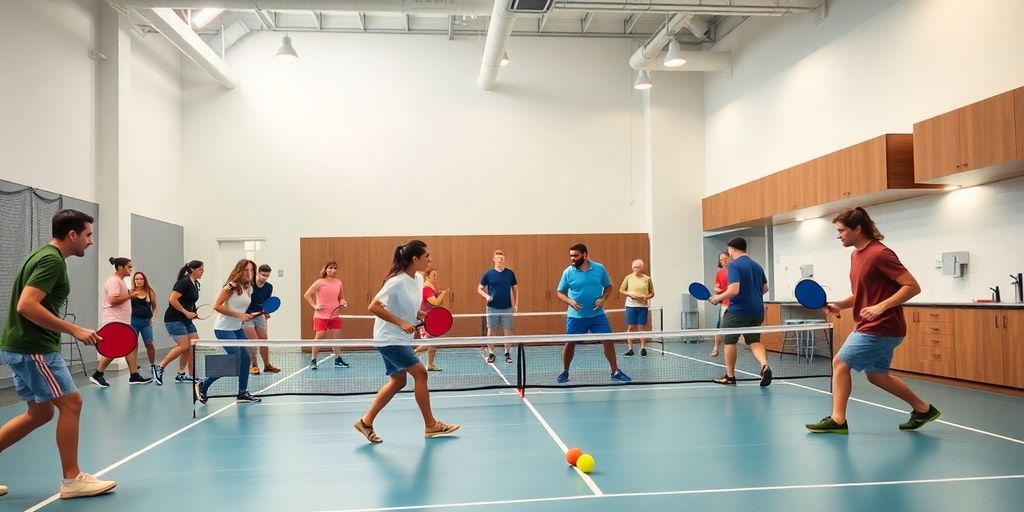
<point>875,171</point>
<point>980,143</point>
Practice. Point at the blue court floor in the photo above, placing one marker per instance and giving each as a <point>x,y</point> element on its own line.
<point>669,447</point>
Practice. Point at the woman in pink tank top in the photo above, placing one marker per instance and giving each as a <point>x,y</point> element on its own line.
<point>327,296</point>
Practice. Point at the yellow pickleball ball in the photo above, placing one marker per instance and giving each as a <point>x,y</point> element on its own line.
<point>585,463</point>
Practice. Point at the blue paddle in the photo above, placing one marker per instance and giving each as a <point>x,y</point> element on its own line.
<point>810,294</point>
<point>699,291</point>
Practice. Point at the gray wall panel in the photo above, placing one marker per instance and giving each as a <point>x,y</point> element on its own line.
<point>158,249</point>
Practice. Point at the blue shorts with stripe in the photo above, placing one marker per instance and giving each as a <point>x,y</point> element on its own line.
<point>39,377</point>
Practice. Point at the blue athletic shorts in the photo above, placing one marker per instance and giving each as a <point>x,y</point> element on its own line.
<point>636,316</point>
<point>179,329</point>
<point>39,377</point>
<point>593,325</point>
<point>143,326</point>
<point>869,353</point>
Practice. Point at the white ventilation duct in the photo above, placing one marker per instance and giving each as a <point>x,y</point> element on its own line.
<point>168,23</point>
<point>649,56</point>
<point>498,32</point>
<point>419,7</point>
<point>227,36</point>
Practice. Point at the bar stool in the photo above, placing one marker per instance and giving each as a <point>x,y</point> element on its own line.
<point>810,339</point>
<point>794,337</point>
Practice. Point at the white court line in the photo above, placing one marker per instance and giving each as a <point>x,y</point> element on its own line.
<point>551,432</point>
<point>901,411</point>
<point>683,493</point>
<point>160,441</point>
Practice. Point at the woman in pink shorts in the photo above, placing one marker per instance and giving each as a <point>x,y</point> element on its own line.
<point>327,296</point>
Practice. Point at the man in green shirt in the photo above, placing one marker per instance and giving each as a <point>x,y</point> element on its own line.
<point>30,345</point>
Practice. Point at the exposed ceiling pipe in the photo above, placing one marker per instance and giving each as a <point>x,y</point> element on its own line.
<point>498,32</point>
<point>419,7</point>
<point>739,8</point>
<point>168,23</point>
<point>647,55</point>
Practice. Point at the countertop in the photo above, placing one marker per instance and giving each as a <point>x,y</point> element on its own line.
<point>991,305</point>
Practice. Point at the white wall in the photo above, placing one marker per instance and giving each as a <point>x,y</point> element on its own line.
<point>676,154</point>
<point>390,135</point>
<point>987,221</point>
<point>47,95</point>
<point>153,156</point>
<point>801,90</point>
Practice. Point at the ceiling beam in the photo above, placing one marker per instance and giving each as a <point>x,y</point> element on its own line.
<point>543,20</point>
<point>318,19</point>
<point>585,22</point>
<point>361,17</point>
<point>630,23</point>
<point>266,20</point>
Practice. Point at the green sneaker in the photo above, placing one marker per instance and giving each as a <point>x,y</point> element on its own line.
<point>828,426</point>
<point>918,419</point>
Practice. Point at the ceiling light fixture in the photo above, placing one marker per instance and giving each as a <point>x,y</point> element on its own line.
<point>643,80</point>
<point>504,58</point>
<point>286,51</point>
<point>674,58</point>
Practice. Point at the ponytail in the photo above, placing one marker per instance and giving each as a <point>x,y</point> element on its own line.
<point>858,218</point>
<point>403,256</point>
<point>188,268</point>
<point>119,262</point>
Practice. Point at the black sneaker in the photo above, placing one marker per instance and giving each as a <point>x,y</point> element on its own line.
<point>918,419</point>
<point>339,362</point>
<point>199,394</point>
<point>490,358</point>
<point>628,353</point>
<point>158,375</point>
<point>828,426</point>
<point>508,358</point>
<point>245,398</point>
<point>766,376</point>
<point>97,378</point>
<point>138,379</point>
<point>643,352</point>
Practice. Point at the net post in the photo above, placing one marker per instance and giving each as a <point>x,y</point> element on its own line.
<point>194,376</point>
<point>521,369</point>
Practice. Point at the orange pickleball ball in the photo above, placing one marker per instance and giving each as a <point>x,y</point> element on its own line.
<point>572,455</point>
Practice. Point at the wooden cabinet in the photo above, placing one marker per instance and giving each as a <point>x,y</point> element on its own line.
<point>1013,360</point>
<point>1018,107</point>
<point>991,345</point>
<point>930,346</point>
<point>841,329</point>
<point>975,144</point>
<point>874,171</point>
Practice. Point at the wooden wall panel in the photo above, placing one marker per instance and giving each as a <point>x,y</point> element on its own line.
<point>461,260</point>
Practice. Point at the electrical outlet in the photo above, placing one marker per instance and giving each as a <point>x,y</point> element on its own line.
<point>280,272</point>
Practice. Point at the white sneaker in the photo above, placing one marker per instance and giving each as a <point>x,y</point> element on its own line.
<point>85,485</point>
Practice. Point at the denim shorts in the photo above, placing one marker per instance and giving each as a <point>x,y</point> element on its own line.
<point>636,315</point>
<point>259,322</point>
<point>179,329</point>
<point>869,353</point>
<point>499,318</point>
<point>397,358</point>
<point>39,377</point>
<point>143,326</point>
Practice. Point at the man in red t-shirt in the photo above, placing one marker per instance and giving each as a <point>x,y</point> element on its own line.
<point>881,284</point>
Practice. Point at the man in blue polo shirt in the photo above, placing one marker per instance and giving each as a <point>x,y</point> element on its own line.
<point>747,286</point>
<point>585,287</point>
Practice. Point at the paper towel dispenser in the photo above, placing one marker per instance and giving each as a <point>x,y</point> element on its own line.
<point>955,263</point>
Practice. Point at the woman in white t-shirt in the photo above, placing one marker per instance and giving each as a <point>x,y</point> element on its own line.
<point>117,307</point>
<point>230,306</point>
<point>397,308</point>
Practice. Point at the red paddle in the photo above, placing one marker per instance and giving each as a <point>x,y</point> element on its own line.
<point>119,340</point>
